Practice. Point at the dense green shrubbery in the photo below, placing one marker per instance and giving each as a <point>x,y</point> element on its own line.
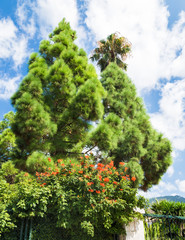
<point>165,207</point>
<point>83,199</point>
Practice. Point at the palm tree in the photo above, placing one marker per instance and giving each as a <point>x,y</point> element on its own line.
<point>115,49</point>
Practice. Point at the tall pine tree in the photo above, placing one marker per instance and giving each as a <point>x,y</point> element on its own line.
<point>58,98</point>
<point>125,133</point>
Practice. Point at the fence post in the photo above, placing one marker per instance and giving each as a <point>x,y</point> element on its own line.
<point>26,230</point>
<point>22,226</point>
<point>30,231</point>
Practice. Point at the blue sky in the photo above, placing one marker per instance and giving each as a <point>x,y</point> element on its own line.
<point>156,29</point>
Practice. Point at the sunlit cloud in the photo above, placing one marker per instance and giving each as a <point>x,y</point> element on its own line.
<point>163,188</point>
<point>8,86</point>
<point>13,44</point>
<point>170,171</point>
<point>170,120</point>
<point>181,185</point>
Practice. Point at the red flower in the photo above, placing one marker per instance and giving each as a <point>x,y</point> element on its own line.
<point>124,177</point>
<point>91,190</point>
<point>49,159</point>
<point>90,183</point>
<point>59,160</point>
<point>44,183</point>
<point>81,157</point>
<point>121,189</point>
<point>102,184</point>
<point>133,179</point>
<point>80,171</point>
<point>26,174</point>
<point>111,163</point>
<point>100,165</point>
<point>100,177</point>
<point>91,165</point>
<point>121,163</point>
<point>86,156</point>
<point>115,183</point>
<point>97,191</point>
<point>126,169</point>
<point>103,190</point>
<point>106,179</point>
<point>63,165</point>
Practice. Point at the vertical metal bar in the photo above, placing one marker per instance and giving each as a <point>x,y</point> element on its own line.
<point>30,232</point>
<point>149,232</point>
<point>26,230</point>
<point>163,227</point>
<point>169,229</point>
<point>158,228</point>
<point>22,226</point>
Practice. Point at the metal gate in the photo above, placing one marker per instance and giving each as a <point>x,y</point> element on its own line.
<point>164,227</point>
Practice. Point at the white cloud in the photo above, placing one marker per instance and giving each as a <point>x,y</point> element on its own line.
<point>181,185</point>
<point>170,171</point>
<point>12,43</point>
<point>171,118</point>
<point>8,86</point>
<point>162,189</point>
<point>26,17</point>
<point>145,24</point>
<point>51,12</point>
<point>42,16</point>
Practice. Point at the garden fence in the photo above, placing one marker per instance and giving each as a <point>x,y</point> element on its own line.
<point>45,229</point>
<point>164,227</point>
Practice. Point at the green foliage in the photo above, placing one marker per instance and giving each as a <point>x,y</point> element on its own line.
<point>83,200</point>
<point>165,207</point>
<point>169,226</point>
<point>7,138</point>
<point>115,49</point>
<point>57,98</point>
<point>8,171</point>
<point>38,162</point>
<point>125,132</point>
<point>6,194</point>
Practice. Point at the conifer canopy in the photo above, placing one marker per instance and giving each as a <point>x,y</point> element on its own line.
<point>58,98</point>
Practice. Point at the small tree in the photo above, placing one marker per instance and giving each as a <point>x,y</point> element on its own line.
<point>114,49</point>
<point>7,138</point>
